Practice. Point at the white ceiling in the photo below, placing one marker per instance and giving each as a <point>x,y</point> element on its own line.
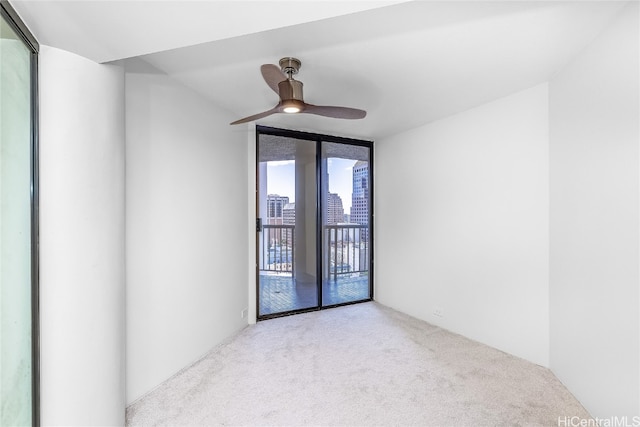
<point>407,63</point>
<point>107,30</point>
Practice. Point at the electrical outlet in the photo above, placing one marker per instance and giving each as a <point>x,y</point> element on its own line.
<point>243,313</point>
<point>438,312</point>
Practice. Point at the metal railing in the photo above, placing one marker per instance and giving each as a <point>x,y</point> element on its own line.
<point>346,249</point>
<point>276,247</point>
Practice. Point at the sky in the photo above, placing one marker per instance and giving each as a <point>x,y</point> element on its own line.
<point>281,179</point>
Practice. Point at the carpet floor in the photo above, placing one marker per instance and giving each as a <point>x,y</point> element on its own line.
<point>362,364</point>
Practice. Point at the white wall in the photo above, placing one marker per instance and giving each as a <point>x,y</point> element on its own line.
<point>81,240</point>
<point>594,221</point>
<point>186,224</point>
<point>461,220</point>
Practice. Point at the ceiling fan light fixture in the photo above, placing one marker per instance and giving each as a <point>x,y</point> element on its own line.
<point>292,106</point>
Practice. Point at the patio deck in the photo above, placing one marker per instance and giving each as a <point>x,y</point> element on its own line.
<point>280,293</point>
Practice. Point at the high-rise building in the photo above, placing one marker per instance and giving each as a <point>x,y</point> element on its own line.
<point>289,214</point>
<point>360,195</point>
<point>275,205</point>
<point>335,210</point>
<point>288,218</point>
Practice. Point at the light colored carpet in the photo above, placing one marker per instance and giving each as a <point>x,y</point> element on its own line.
<point>363,364</point>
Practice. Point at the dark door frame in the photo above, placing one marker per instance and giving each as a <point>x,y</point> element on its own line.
<point>318,138</point>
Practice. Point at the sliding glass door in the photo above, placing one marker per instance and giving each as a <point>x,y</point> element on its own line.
<point>345,223</point>
<point>287,267</point>
<point>313,216</point>
<point>18,342</point>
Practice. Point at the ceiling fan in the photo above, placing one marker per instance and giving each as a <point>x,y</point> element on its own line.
<point>281,80</point>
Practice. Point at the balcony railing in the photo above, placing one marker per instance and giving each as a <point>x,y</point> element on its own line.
<point>346,249</point>
<point>276,248</point>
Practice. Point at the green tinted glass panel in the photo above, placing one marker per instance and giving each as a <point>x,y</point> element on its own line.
<point>15,229</point>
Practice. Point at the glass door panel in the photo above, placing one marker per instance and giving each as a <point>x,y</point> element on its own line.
<point>15,229</point>
<point>345,193</point>
<point>287,237</point>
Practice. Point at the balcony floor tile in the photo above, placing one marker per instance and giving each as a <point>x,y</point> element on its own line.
<point>282,293</point>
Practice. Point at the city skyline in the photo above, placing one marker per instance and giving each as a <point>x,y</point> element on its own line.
<point>281,179</point>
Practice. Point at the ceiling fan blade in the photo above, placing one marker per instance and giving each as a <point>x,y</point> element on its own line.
<point>335,112</point>
<point>256,116</point>
<point>272,75</point>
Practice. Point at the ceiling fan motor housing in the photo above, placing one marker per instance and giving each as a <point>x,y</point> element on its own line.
<point>291,96</point>
<point>290,89</point>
